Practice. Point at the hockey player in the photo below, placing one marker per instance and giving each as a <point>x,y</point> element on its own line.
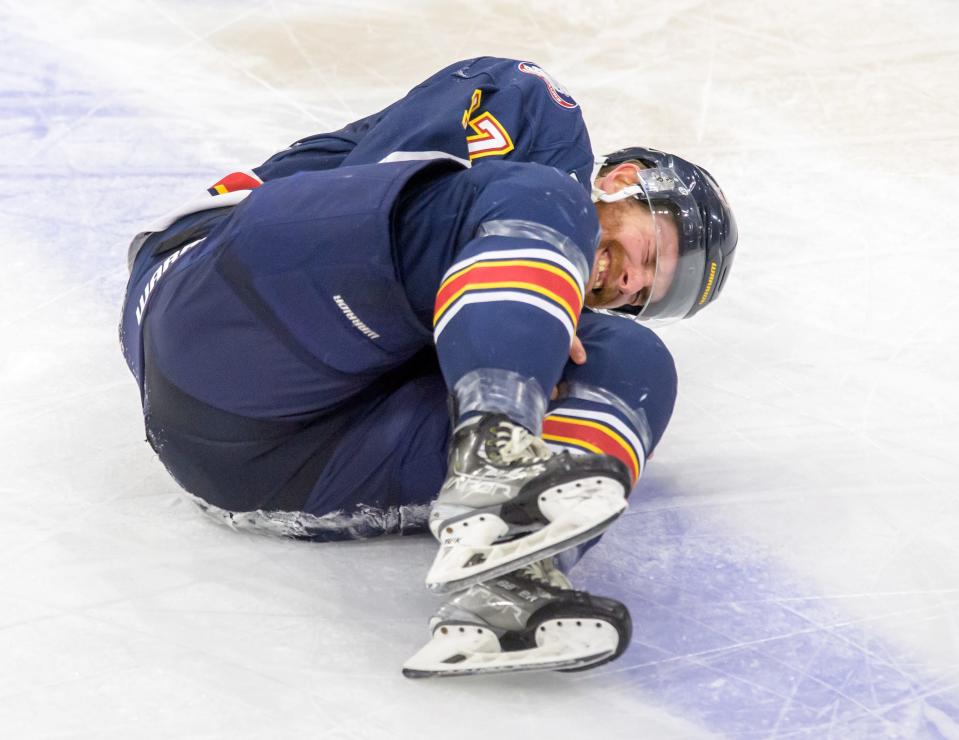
<point>294,367</point>
<point>295,347</point>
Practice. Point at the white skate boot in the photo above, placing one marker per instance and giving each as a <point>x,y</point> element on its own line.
<point>529,620</point>
<point>508,501</point>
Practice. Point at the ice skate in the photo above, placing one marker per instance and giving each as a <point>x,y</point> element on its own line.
<point>529,620</point>
<point>508,501</point>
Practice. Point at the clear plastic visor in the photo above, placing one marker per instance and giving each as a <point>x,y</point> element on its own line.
<point>680,247</point>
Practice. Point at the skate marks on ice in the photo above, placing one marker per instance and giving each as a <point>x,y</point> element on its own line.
<point>80,167</point>
<point>725,634</point>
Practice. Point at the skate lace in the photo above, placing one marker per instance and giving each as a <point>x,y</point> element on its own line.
<point>545,571</point>
<point>516,444</point>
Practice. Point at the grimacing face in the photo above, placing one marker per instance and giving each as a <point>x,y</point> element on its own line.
<point>628,268</point>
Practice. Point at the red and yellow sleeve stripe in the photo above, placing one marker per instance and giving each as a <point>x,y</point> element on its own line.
<point>235,181</point>
<point>512,279</point>
<point>538,277</point>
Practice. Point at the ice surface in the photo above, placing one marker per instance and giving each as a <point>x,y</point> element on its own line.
<point>791,559</point>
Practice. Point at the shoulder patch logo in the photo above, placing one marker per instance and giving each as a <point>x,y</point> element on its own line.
<point>557,92</point>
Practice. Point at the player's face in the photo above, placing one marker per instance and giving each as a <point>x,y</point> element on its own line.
<point>627,260</point>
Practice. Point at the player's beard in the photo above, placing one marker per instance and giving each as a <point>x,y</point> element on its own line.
<point>611,217</point>
<point>610,290</point>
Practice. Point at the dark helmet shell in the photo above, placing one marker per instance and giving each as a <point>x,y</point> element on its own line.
<point>720,234</point>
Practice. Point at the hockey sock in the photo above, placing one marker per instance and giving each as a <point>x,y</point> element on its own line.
<point>505,315</point>
<point>597,427</point>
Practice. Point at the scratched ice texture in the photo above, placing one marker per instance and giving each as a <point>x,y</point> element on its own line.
<point>790,558</point>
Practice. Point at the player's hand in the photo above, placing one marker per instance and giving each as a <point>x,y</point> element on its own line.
<point>577,353</point>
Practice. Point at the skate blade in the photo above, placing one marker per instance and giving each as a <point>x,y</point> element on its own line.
<point>450,570</point>
<point>562,644</point>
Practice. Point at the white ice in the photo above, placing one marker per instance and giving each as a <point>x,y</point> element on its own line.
<point>791,558</point>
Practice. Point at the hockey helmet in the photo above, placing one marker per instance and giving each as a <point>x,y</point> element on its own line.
<point>706,225</point>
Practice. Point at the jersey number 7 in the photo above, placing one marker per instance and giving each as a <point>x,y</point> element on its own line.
<point>490,137</point>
